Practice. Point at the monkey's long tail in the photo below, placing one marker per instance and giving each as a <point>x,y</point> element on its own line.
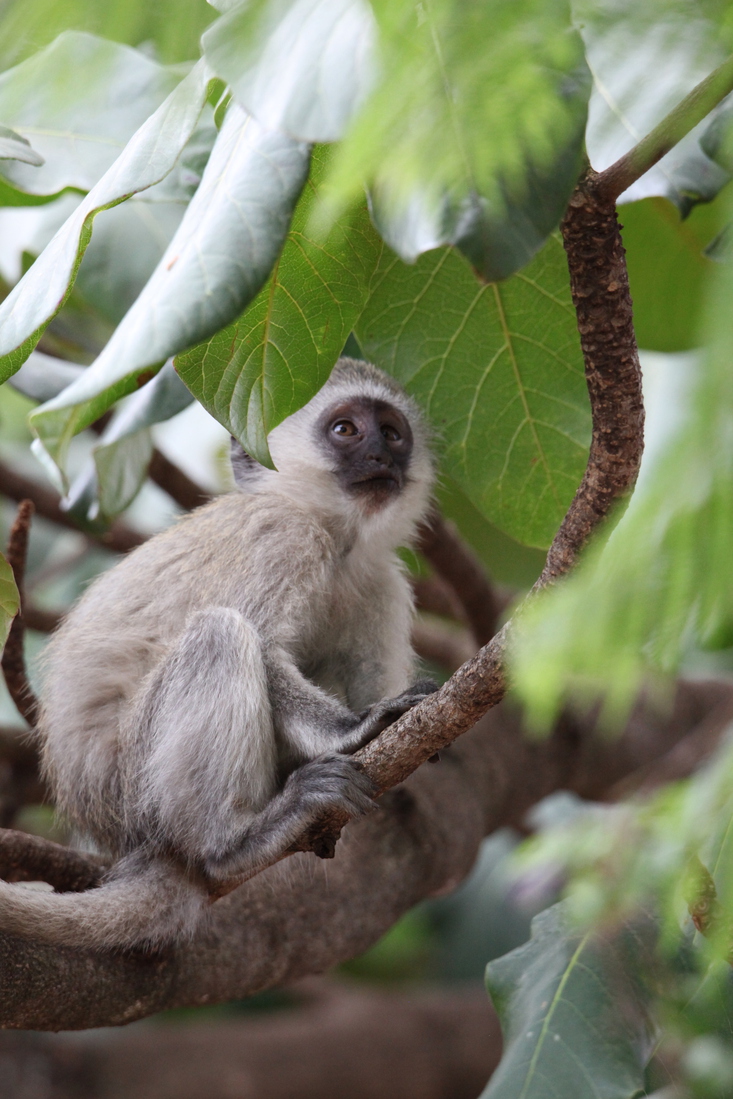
<point>146,903</point>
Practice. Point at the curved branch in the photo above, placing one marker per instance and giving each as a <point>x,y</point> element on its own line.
<point>600,288</point>
<point>456,563</point>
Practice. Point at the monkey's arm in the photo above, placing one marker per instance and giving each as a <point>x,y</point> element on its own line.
<point>309,721</point>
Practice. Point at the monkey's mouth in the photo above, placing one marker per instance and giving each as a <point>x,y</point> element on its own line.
<point>380,484</point>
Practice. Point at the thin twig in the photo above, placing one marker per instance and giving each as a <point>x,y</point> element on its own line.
<point>455,563</point>
<point>176,483</point>
<point>13,658</point>
<point>677,124</point>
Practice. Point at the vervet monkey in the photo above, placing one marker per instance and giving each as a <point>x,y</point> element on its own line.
<point>201,700</point>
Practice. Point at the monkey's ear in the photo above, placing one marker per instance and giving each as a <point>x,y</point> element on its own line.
<point>246,469</point>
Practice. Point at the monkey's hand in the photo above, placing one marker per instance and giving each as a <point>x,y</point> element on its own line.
<point>374,720</point>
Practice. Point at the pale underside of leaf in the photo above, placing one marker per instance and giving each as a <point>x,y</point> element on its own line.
<point>148,157</point>
<point>216,262</point>
<point>303,67</point>
<point>281,350</point>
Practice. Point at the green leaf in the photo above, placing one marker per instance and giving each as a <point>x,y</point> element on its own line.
<point>9,600</point>
<point>15,147</point>
<point>469,98</point>
<point>498,237</point>
<point>574,1011</point>
<point>506,561</point>
<point>112,479</point>
<point>171,27</point>
<point>79,101</point>
<point>281,350</point>
<point>499,371</point>
<point>42,377</point>
<point>668,270</point>
<point>147,158</point>
<point>302,66</point>
<point>224,250</point>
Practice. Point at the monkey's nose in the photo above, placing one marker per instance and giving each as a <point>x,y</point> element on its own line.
<point>382,456</point>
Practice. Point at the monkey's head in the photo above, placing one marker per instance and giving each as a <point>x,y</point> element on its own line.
<point>359,447</point>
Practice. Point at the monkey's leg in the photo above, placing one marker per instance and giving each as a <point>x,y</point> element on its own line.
<point>209,757</point>
<point>207,785</point>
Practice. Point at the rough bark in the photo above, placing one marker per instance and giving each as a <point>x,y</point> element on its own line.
<point>307,915</point>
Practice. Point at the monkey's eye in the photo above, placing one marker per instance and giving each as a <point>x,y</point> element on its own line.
<point>390,433</point>
<point>344,428</point>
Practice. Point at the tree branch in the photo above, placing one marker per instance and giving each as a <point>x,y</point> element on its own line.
<point>336,1039</point>
<point>456,564</point>
<point>176,483</point>
<point>119,538</point>
<point>307,916</point>
<point>13,657</point>
<point>31,858</point>
<point>600,288</point>
<point>677,124</point>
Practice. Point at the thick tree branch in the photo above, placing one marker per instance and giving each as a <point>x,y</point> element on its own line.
<point>119,538</point>
<point>306,916</point>
<point>13,657</point>
<point>336,1039</point>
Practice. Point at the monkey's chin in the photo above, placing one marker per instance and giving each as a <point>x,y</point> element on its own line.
<point>374,493</point>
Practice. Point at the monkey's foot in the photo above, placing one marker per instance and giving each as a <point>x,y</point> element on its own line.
<point>331,782</point>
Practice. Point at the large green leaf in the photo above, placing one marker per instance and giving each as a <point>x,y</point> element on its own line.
<point>499,370</point>
<point>574,1011</point>
<point>668,270</point>
<point>79,101</point>
<point>303,67</point>
<point>469,99</point>
<point>9,600</point>
<point>219,258</point>
<point>281,350</point>
<point>146,159</point>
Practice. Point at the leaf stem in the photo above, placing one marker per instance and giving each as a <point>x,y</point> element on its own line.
<point>684,117</point>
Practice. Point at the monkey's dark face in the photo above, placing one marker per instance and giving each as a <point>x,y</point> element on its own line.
<point>371,442</point>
